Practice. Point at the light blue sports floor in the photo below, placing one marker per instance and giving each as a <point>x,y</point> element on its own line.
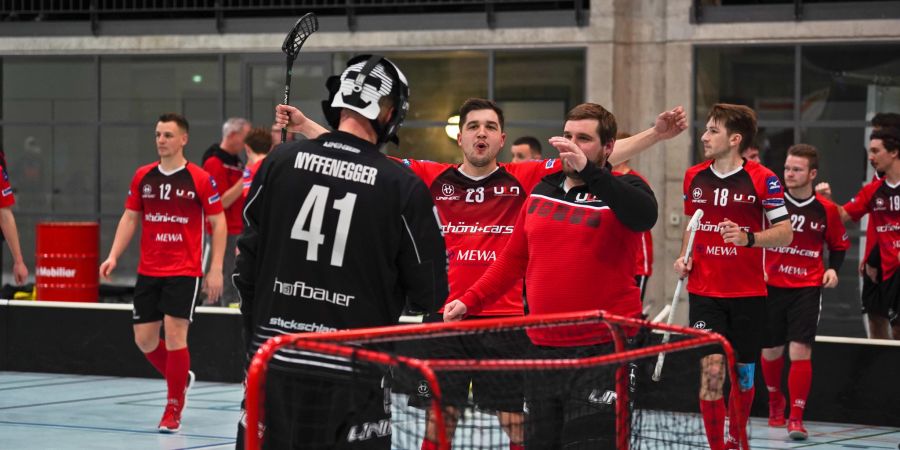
<point>54,411</point>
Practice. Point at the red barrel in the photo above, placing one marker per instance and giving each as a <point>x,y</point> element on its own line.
<point>67,261</point>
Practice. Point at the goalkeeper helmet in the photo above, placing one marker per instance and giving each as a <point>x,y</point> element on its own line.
<point>360,86</point>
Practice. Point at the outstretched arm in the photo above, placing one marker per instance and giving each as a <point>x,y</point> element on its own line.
<point>295,121</point>
<point>668,125</point>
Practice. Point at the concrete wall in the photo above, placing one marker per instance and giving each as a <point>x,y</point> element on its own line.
<point>639,62</point>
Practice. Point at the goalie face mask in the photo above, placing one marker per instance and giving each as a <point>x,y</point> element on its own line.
<point>360,86</point>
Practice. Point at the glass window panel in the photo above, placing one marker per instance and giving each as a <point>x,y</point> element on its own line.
<point>75,171</point>
<point>122,150</point>
<point>234,83</point>
<point>542,133</point>
<point>558,79</point>
<point>141,88</point>
<point>431,143</point>
<point>439,81</point>
<point>29,153</point>
<point>42,89</point>
<point>842,163</point>
<point>836,78</point>
<point>773,143</point>
<point>759,77</point>
<point>307,87</point>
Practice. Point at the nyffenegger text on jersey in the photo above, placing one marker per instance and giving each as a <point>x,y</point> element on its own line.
<point>337,168</point>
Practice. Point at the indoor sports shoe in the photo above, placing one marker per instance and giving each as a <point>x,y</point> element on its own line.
<point>796,430</point>
<point>171,419</point>
<point>776,412</point>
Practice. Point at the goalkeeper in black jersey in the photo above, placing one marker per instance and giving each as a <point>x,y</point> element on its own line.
<point>337,236</point>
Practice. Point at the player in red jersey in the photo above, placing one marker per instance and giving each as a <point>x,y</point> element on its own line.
<point>796,276</point>
<point>170,199</point>
<point>257,145</point>
<point>478,202</point>
<point>594,213</point>
<point>870,266</point>
<point>223,162</point>
<point>8,224</point>
<point>726,285</point>
<point>881,199</point>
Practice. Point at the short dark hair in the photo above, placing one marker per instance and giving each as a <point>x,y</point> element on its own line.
<point>736,119</point>
<point>890,138</point>
<point>259,140</point>
<point>477,104</point>
<point>805,151</point>
<point>886,120</point>
<point>531,142</point>
<point>606,121</point>
<point>177,118</point>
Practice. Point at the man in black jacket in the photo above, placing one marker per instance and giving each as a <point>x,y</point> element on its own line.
<point>337,236</point>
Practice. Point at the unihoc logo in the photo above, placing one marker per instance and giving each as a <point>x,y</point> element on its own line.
<point>369,430</point>
<point>605,398</point>
<point>447,189</point>
<point>147,189</point>
<point>700,325</point>
<point>55,272</point>
<point>697,193</point>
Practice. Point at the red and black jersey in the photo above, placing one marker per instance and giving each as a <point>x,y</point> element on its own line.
<point>226,169</point>
<point>816,222</point>
<point>575,248</point>
<point>7,198</point>
<point>250,172</point>
<point>871,238</point>
<point>644,262</point>
<point>882,201</point>
<point>478,217</point>
<point>173,207</point>
<point>746,196</point>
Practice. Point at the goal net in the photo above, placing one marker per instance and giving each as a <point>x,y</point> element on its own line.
<point>575,380</point>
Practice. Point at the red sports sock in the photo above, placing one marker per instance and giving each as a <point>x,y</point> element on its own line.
<point>745,400</point>
<point>799,380</point>
<point>158,357</point>
<point>713,412</point>
<point>177,366</point>
<point>516,446</point>
<point>771,370</point>
<point>429,445</point>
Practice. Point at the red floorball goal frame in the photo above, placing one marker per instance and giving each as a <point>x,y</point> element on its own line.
<point>368,346</point>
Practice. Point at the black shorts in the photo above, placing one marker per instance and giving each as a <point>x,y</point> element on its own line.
<point>741,320</point>
<point>889,303</point>
<point>572,408</point>
<point>793,315</point>
<point>491,390</point>
<point>155,297</point>
<point>870,297</point>
<point>310,412</point>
